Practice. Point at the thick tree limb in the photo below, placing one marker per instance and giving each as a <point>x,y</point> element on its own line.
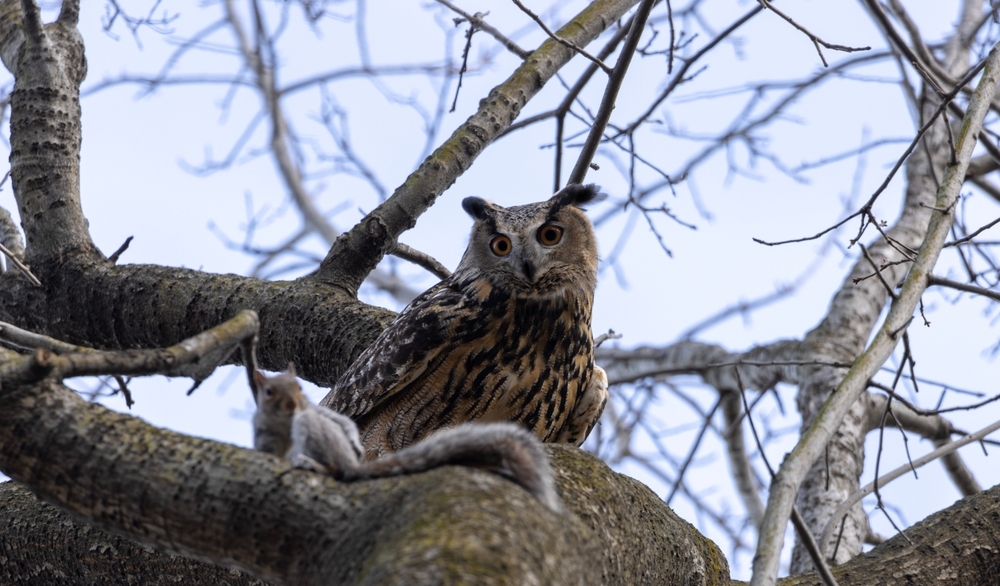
<point>249,510</point>
<point>851,319</point>
<point>141,306</point>
<point>926,556</point>
<point>48,65</point>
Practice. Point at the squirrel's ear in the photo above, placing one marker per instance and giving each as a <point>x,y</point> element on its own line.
<point>291,368</point>
<point>259,379</point>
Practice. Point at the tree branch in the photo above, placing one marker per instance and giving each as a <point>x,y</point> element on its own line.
<point>942,282</point>
<point>357,252</point>
<point>793,470</point>
<point>562,41</point>
<point>904,469</point>
<point>603,115</point>
<point>249,510</point>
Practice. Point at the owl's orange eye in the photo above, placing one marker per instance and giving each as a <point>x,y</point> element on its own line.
<point>500,245</point>
<point>550,234</point>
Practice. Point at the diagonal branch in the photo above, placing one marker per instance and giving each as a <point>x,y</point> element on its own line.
<point>942,282</point>
<point>905,468</point>
<point>477,20</point>
<point>358,251</point>
<point>561,40</point>
<point>816,40</point>
<point>795,467</point>
<point>611,93</point>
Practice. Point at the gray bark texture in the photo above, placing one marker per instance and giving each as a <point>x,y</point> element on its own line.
<point>248,510</point>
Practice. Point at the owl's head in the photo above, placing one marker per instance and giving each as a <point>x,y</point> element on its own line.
<point>539,247</point>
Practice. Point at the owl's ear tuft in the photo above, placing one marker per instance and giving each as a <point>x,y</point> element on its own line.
<point>577,195</point>
<point>476,207</point>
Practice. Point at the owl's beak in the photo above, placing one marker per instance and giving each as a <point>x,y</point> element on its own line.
<point>529,270</point>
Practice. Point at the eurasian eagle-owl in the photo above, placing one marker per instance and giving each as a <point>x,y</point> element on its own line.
<point>505,338</point>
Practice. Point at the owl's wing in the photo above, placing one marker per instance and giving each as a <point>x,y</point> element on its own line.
<point>401,354</point>
<point>588,410</point>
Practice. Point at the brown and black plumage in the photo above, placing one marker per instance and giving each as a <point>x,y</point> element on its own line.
<point>505,338</point>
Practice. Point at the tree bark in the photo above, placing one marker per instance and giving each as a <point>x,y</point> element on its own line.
<point>958,545</point>
<point>248,510</point>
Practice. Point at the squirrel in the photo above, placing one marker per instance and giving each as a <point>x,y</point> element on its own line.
<point>288,425</point>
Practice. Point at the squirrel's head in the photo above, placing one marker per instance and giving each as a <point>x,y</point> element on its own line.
<point>279,395</point>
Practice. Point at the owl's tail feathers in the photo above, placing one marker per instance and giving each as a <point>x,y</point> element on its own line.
<point>505,449</point>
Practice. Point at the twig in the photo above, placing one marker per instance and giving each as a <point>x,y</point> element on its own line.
<point>465,64</point>
<point>974,234</point>
<point>114,256</point>
<point>477,20</point>
<point>421,259</point>
<point>816,40</point>
<point>935,280</point>
<point>691,453</point>
<point>805,166</point>
<point>919,64</point>
<point>20,266</point>
<point>682,74</point>
<point>124,390</point>
<point>807,238</point>
<point>878,272</point>
<point>561,40</point>
<point>889,477</point>
<point>801,529</point>
<point>611,92</point>
<point>611,335</point>
<point>899,162</point>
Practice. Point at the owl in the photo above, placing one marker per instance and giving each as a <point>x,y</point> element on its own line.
<point>505,338</point>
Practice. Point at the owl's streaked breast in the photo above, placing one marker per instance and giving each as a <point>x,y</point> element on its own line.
<point>516,359</point>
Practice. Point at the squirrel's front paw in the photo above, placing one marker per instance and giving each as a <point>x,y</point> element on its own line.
<point>304,462</point>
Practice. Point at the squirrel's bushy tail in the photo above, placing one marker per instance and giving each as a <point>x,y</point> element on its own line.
<point>506,449</point>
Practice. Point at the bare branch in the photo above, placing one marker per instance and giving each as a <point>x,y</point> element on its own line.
<point>561,40</point>
<point>353,256</point>
<point>931,120</point>
<point>814,440</point>
<point>31,340</point>
<point>739,461</point>
<point>816,40</point>
<point>942,282</point>
<point>610,92</point>
<point>421,259</point>
<point>982,165</point>
<point>889,477</point>
<point>197,357</point>
<point>801,529</point>
<point>682,73</point>
<point>478,21</point>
